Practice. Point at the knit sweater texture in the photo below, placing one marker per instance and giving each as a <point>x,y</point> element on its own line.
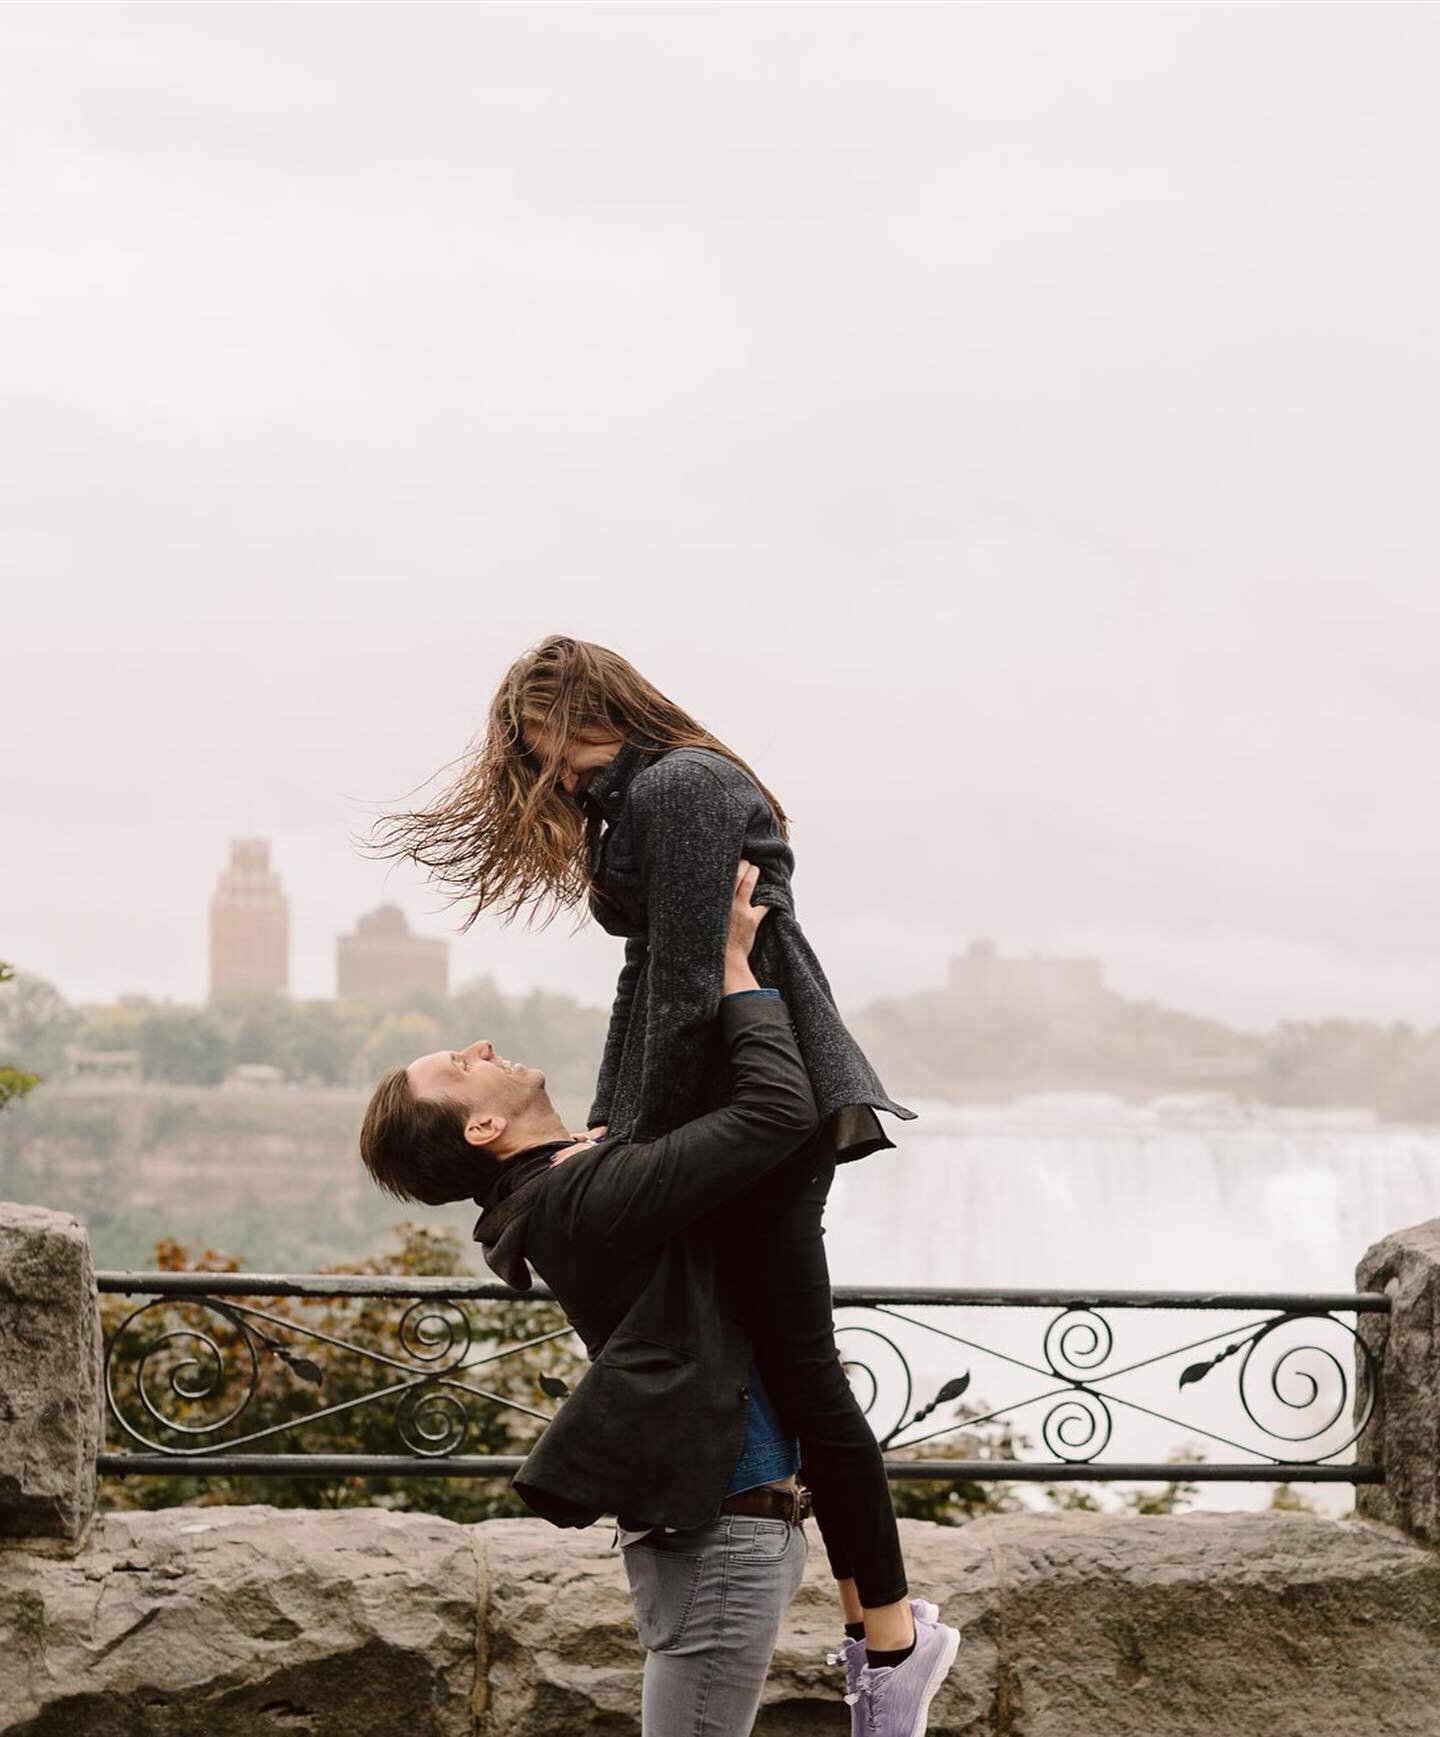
<point>675,826</point>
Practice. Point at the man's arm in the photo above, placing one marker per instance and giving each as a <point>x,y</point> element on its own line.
<point>632,1197</point>
<point>627,1198</point>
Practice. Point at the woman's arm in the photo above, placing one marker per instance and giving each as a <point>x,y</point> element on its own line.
<point>689,835</point>
<point>616,1035</point>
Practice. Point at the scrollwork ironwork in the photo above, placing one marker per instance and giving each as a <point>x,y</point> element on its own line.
<point>1078,1429</point>
<point>431,1329</point>
<point>432,1421</point>
<point>154,1387</point>
<point>204,1354</point>
<point>183,1370</point>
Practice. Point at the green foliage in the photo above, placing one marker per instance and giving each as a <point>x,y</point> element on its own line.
<point>35,1021</point>
<point>944,1044</point>
<point>180,1044</point>
<point>334,1043</point>
<point>285,1389</point>
<point>16,1033</point>
<point>1073,1498</point>
<point>1286,1499</point>
<point>14,1083</point>
<point>1170,1498</point>
<point>952,1501</point>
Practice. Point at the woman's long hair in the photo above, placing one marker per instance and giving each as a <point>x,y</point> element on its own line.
<point>502,833</point>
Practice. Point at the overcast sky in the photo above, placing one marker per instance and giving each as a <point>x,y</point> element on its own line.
<point>1013,429</point>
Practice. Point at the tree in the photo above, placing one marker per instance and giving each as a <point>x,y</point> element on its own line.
<point>296,1374</point>
<point>14,1081</point>
<point>398,1039</point>
<point>952,1501</point>
<point>181,1044</point>
<point>1170,1498</point>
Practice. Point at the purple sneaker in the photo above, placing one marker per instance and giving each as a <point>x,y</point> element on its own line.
<point>896,1698</point>
<point>852,1656</point>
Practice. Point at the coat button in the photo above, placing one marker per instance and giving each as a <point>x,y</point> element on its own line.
<point>744,1392</point>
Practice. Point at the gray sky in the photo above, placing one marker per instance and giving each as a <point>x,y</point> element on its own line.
<point>1011,428</point>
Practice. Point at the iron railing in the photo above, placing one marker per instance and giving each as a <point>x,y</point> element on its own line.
<point>1290,1380</point>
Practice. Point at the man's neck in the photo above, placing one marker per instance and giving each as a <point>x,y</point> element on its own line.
<point>527,1139</point>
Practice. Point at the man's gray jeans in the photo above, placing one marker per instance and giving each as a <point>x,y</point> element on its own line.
<point>708,1605</point>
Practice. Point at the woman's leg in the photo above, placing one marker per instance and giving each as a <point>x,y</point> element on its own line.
<point>777,1238</point>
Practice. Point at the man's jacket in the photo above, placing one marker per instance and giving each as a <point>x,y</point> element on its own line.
<point>621,1235</point>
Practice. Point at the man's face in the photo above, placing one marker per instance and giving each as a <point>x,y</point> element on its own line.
<point>582,759</point>
<point>487,1084</point>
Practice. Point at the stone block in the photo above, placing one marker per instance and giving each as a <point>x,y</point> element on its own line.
<point>242,1622</point>
<point>50,1387</point>
<point>1075,1625</point>
<point>1404,1430</point>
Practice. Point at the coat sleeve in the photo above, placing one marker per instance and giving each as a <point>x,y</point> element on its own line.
<point>618,1031</point>
<point>634,1197</point>
<point>689,831</point>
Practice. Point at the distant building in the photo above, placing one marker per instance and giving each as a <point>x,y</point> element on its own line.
<point>383,954</point>
<point>103,1066</point>
<point>249,922</point>
<point>981,974</point>
<point>253,1077</point>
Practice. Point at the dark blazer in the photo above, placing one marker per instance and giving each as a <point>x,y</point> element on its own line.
<point>663,866</point>
<point>654,1428</point>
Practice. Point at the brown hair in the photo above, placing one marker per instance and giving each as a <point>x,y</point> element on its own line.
<point>502,832</point>
<point>415,1148</point>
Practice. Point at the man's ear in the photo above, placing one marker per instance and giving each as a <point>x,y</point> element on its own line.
<point>484,1131</point>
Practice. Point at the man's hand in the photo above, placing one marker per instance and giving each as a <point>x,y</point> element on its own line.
<point>745,920</point>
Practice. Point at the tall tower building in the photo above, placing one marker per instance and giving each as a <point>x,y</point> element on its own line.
<point>383,954</point>
<point>249,921</point>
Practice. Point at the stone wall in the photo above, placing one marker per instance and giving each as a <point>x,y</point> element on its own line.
<point>50,1417</point>
<point>241,1622</point>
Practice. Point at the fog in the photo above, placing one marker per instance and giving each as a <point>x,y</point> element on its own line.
<point>1012,429</point>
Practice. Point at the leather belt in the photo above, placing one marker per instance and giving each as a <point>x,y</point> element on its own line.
<point>768,1503</point>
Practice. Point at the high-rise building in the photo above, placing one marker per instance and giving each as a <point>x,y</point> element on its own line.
<point>249,922</point>
<point>383,954</point>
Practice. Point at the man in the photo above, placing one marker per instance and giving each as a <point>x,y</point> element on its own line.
<point>669,1429</point>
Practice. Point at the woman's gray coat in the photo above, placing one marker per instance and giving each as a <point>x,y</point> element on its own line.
<point>676,824</point>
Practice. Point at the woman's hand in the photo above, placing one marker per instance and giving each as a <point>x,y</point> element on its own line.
<point>745,920</point>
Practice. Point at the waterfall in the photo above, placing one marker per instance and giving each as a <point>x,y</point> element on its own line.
<point>1085,1191</point>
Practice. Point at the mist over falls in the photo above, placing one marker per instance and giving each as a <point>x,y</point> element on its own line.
<point>1086,1190</point>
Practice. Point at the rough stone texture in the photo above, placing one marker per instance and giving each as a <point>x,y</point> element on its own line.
<point>1076,1625</point>
<point>243,1622</point>
<point>1404,1431</point>
<point>240,1622</point>
<point>50,1395</point>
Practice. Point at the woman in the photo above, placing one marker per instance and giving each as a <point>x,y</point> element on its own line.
<point>590,785</point>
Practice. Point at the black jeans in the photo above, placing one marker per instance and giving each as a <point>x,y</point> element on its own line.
<point>775,1237</point>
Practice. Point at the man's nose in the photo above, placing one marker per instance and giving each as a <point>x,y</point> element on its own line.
<point>485,1049</point>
